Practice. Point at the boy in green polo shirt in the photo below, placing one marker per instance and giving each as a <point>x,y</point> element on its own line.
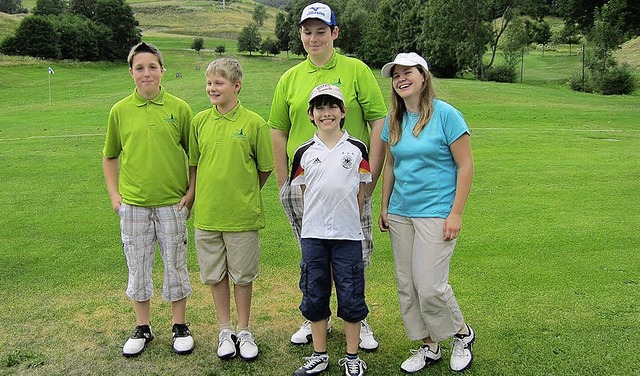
<point>145,168</point>
<point>231,151</point>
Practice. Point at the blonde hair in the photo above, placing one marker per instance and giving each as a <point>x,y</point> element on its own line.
<point>398,108</point>
<point>144,47</point>
<point>227,68</point>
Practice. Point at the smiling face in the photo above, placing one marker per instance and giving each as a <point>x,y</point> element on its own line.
<point>327,114</point>
<point>407,81</point>
<point>317,37</point>
<point>146,72</point>
<point>222,92</point>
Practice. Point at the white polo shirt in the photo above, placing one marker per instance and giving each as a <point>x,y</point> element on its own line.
<point>332,178</point>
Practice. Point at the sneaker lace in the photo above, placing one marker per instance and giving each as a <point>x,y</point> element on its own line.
<point>352,365</point>
<point>418,355</point>
<point>312,361</point>
<point>245,337</point>
<point>181,330</point>
<point>141,331</point>
<point>225,335</point>
<point>365,327</point>
<point>458,347</point>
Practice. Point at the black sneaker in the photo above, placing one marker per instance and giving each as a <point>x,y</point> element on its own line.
<point>313,365</point>
<point>136,344</point>
<point>182,340</point>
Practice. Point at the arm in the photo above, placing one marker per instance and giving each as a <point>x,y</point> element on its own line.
<point>190,196</point>
<point>281,162</point>
<point>388,180</point>
<point>461,151</point>
<point>376,154</point>
<point>263,176</point>
<point>361,194</point>
<point>110,168</point>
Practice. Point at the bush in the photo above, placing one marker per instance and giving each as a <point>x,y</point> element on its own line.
<point>220,49</point>
<point>615,80</point>
<point>501,73</point>
<point>197,44</point>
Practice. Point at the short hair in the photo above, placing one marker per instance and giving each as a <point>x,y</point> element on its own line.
<point>326,100</point>
<point>227,68</point>
<point>144,47</point>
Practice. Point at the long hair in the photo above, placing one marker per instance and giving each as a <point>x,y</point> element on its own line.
<point>398,108</point>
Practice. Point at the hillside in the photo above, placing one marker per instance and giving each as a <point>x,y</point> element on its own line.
<point>630,53</point>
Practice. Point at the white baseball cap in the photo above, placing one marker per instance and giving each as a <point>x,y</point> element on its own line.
<point>410,59</point>
<point>326,89</point>
<point>319,11</point>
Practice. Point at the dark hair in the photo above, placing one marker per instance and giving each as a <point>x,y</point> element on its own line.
<point>326,100</point>
<point>144,47</point>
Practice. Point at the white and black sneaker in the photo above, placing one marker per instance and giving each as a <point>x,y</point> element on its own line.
<point>461,353</point>
<point>182,340</point>
<point>353,367</point>
<point>226,344</point>
<point>313,365</point>
<point>421,358</point>
<point>136,344</point>
<point>303,335</point>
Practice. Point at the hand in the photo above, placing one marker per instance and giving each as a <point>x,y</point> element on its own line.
<point>116,201</point>
<point>383,223</point>
<point>452,226</point>
<point>186,200</point>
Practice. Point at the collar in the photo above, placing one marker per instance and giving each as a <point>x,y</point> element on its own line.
<point>342,139</point>
<point>330,64</point>
<point>158,100</point>
<point>231,115</point>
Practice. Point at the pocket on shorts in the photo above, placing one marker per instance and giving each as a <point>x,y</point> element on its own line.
<point>304,277</point>
<point>358,279</point>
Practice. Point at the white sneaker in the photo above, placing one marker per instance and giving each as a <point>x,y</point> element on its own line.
<point>461,353</point>
<point>420,358</point>
<point>367,339</point>
<point>247,345</point>
<point>182,340</point>
<point>313,364</point>
<point>303,335</point>
<point>226,344</point>
<point>353,367</point>
<point>136,344</point>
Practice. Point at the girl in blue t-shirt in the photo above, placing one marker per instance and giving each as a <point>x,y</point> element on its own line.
<point>427,179</point>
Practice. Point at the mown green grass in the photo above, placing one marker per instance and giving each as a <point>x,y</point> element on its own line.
<point>545,269</point>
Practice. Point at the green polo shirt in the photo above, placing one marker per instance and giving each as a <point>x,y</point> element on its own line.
<point>362,95</point>
<point>151,140</point>
<point>229,150</point>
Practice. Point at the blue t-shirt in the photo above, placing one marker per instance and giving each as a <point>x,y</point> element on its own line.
<point>424,170</point>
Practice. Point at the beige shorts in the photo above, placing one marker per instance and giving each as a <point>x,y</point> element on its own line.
<point>233,253</point>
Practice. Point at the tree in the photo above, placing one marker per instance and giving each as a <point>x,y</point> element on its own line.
<point>606,35</point>
<point>220,49</point>
<point>84,7</point>
<point>77,38</point>
<point>515,39</point>
<point>539,32</point>
<point>259,14</point>
<point>36,36</point>
<point>269,46</point>
<point>583,14</point>
<point>197,44</point>
<point>53,7</point>
<point>568,35</point>
<point>249,39</point>
<point>118,17</point>
<point>283,32</point>
<point>12,6</point>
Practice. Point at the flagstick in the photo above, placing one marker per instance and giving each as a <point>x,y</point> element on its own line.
<point>49,74</point>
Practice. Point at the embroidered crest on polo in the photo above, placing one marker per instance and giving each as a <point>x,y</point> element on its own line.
<point>347,161</point>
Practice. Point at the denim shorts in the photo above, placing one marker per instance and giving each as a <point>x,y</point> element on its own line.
<point>319,258</point>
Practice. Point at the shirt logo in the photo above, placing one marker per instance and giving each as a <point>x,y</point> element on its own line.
<point>170,119</point>
<point>347,162</point>
<point>239,133</point>
<point>316,161</point>
<point>337,83</point>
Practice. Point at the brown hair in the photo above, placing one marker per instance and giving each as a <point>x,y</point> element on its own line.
<point>398,108</point>
<point>144,47</point>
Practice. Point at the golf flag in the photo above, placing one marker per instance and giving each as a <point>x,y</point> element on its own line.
<point>51,71</point>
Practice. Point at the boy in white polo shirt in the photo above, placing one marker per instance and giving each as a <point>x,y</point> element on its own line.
<point>331,169</point>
